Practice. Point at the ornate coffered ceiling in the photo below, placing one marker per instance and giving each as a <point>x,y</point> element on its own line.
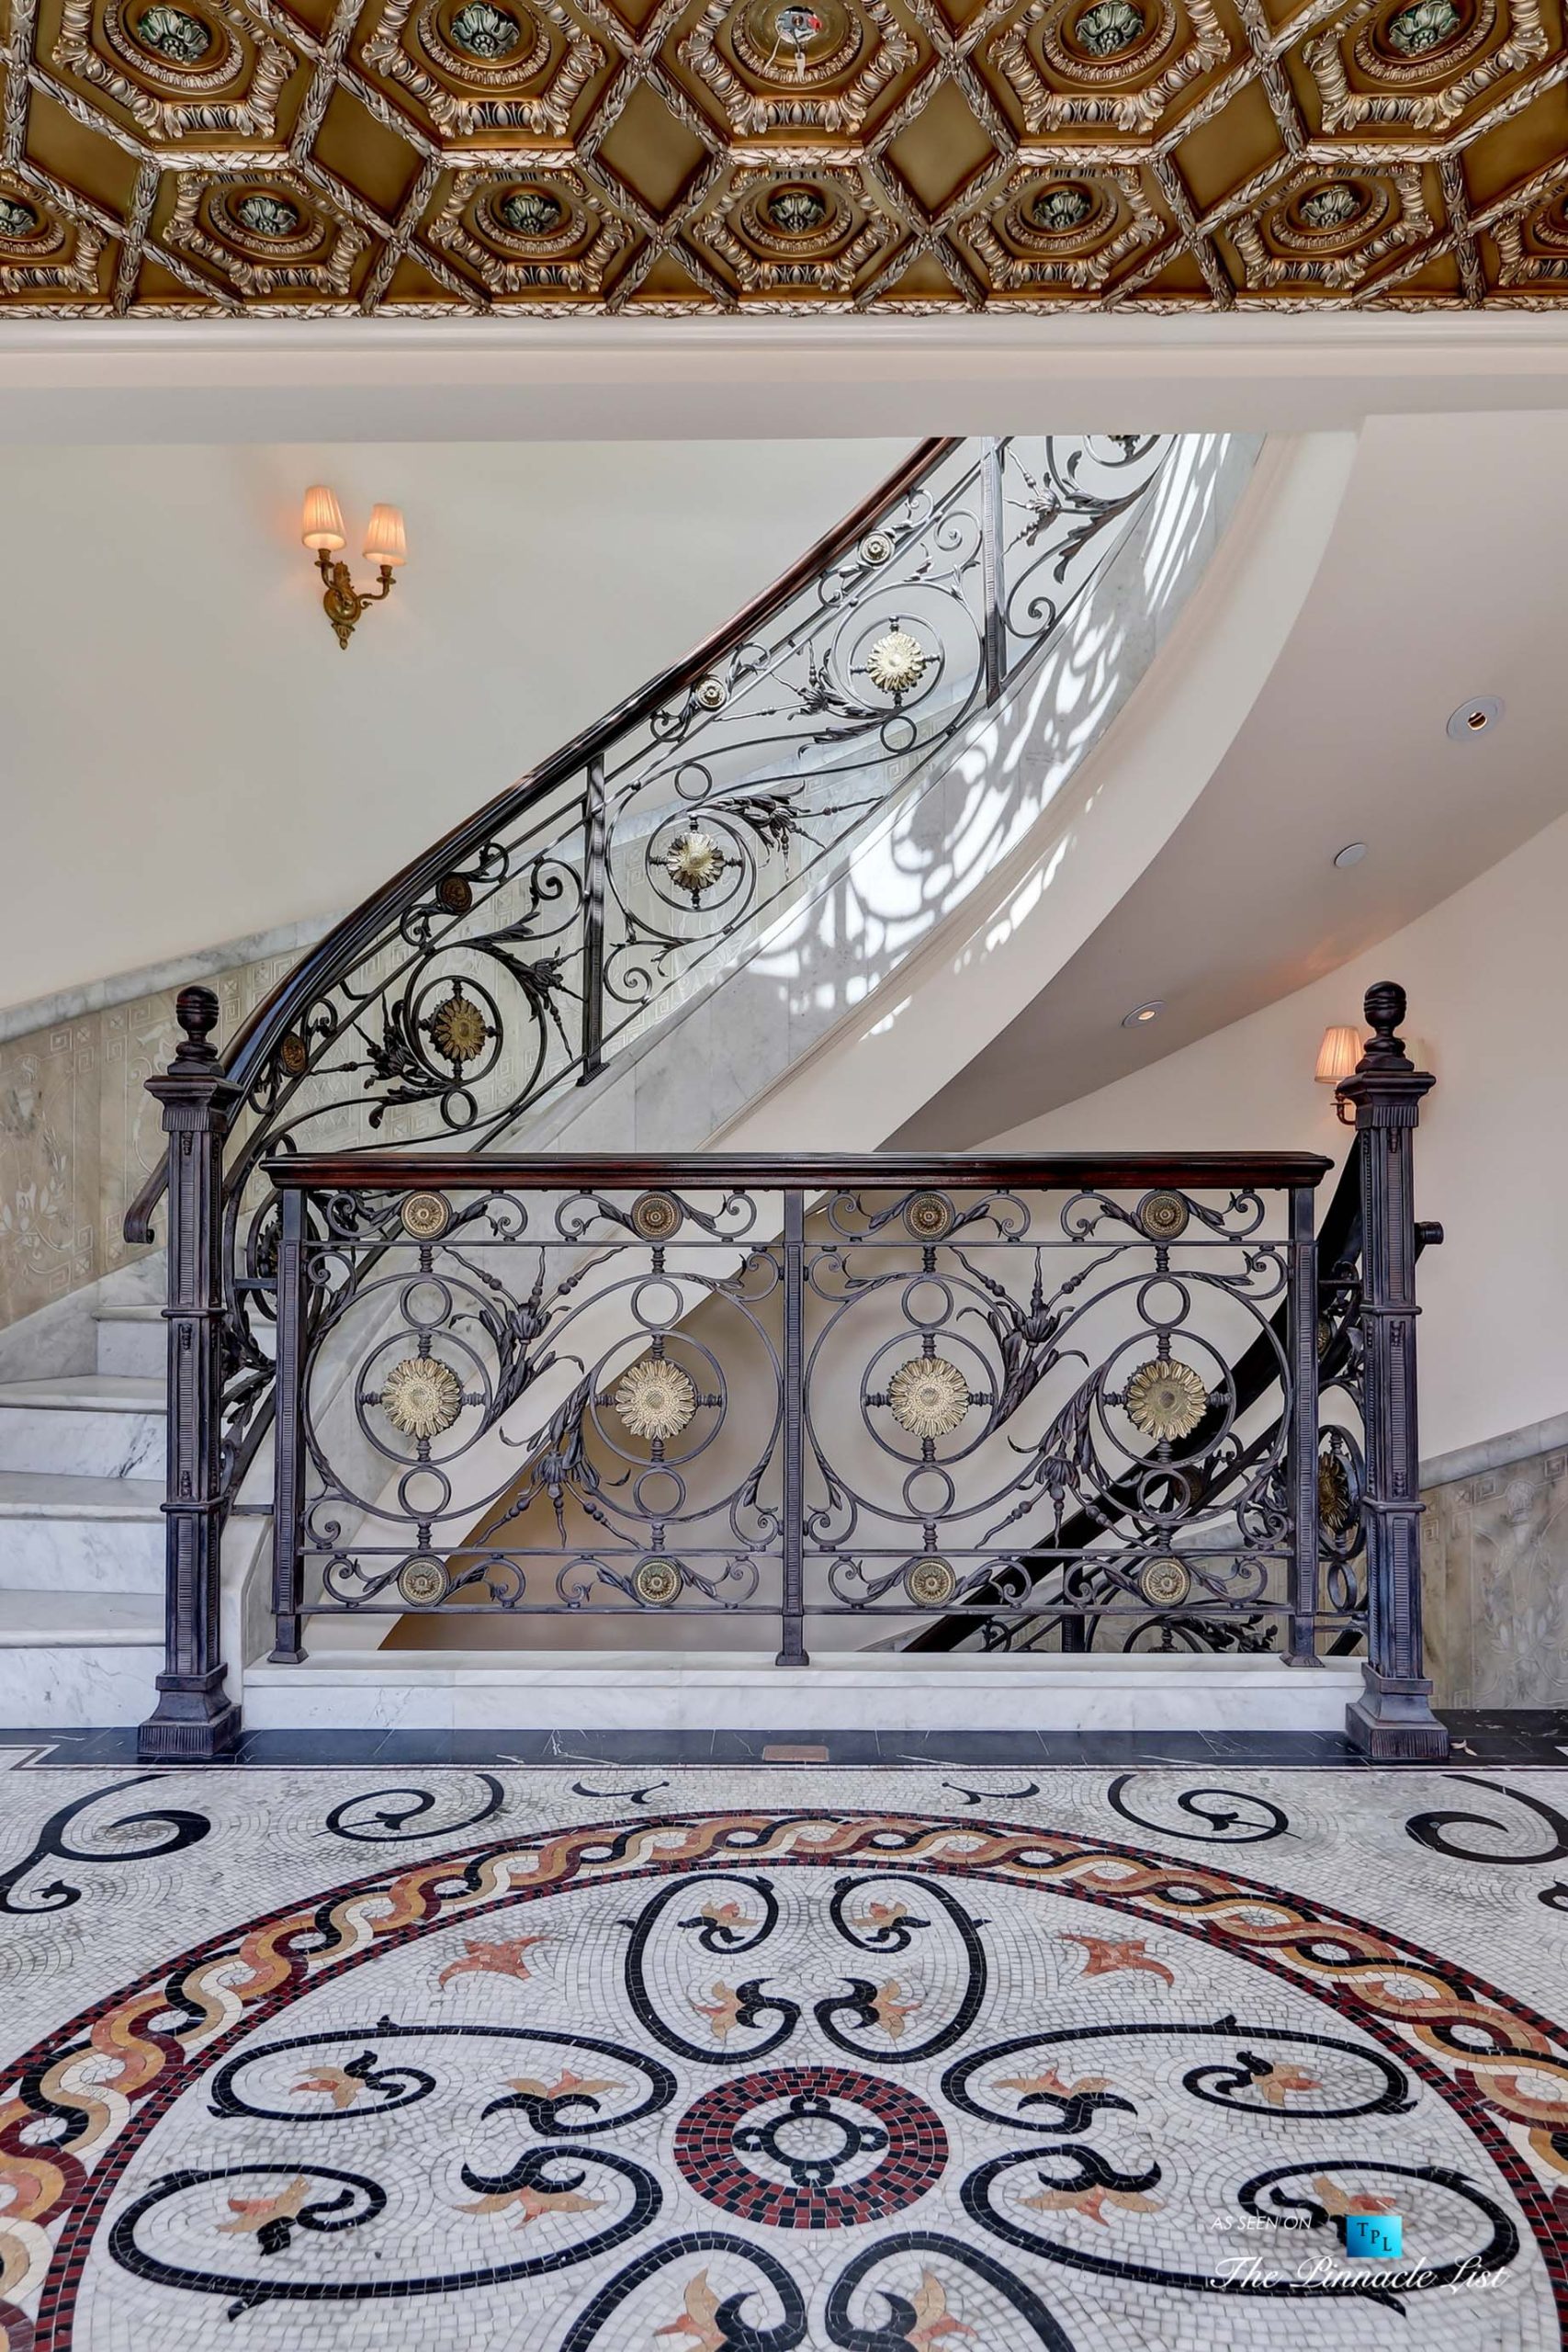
<point>436,157</point>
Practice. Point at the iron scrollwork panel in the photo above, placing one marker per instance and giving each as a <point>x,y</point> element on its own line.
<point>986,1374</point>
<point>538,1404</point>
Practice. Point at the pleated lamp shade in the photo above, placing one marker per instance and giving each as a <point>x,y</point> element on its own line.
<point>385,541</point>
<point>1337,1055</point>
<point>321,523</point>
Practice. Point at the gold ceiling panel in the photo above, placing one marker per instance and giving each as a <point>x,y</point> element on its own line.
<point>307,158</point>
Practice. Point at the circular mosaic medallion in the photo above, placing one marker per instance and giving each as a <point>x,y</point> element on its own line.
<point>657,1582</point>
<point>655,1399</point>
<point>931,1582</point>
<point>810,2148</point>
<point>425,1215</point>
<point>1166,1583</point>
<point>1163,1215</point>
<point>655,1215</point>
<point>928,1397</point>
<point>1165,1399</point>
<point>422,1582</point>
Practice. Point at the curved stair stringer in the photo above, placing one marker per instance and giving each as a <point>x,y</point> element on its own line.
<point>1022,912</point>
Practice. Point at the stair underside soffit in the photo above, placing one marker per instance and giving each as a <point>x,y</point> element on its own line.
<point>415,158</point>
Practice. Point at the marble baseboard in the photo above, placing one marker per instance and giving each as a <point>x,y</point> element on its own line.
<point>467,1690</point>
<point>63,1684</point>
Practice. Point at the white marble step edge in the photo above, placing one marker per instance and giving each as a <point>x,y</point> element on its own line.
<point>84,1534</point>
<point>131,1340</point>
<point>83,1424</point>
<point>69,1658</point>
<point>865,1691</point>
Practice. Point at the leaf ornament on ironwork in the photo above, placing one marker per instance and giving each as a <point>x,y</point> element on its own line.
<point>397,1065</point>
<point>1063,1457</point>
<point>539,980</point>
<point>1025,1337</point>
<point>562,1467</point>
<point>513,1327</point>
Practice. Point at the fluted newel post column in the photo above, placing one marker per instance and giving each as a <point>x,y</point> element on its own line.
<point>1393,1718</point>
<point>195,1718</point>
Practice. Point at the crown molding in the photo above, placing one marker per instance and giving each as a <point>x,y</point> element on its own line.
<point>642,378</point>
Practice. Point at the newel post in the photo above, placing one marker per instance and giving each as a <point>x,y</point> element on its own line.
<point>195,1719</point>
<point>1393,1719</point>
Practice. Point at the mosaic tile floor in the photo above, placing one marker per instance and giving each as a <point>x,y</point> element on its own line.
<point>930,2060</point>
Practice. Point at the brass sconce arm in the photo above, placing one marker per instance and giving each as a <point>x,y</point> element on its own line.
<point>342,603</point>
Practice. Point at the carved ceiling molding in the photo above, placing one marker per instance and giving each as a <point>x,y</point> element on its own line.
<point>306,159</point>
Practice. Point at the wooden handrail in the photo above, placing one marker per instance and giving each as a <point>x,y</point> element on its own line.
<point>251,1043</point>
<point>413,1171</point>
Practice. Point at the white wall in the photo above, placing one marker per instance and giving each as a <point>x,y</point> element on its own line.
<point>185,756</point>
<point>1487,977</point>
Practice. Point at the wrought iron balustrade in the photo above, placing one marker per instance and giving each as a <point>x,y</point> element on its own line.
<point>543,935</point>
<point>881,1396</point>
<point>864,1392</point>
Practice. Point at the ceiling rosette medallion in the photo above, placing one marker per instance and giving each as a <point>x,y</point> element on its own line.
<point>1322,227</point>
<point>1068,221</point>
<point>487,65</point>
<point>1420,65</point>
<point>1118,63</point>
<point>45,247</point>
<point>180,68</point>
<point>781,65</point>
<point>266,231</point>
<point>530,231</point>
<point>810,223</point>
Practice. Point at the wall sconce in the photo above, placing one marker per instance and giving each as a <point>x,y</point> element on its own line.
<point>1336,1057</point>
<point>386,545</point>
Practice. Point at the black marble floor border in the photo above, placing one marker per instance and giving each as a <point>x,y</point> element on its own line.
<point>1521,1736</point>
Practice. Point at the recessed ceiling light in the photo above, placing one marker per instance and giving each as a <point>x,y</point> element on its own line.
<point>1142,1012</point>
<point>1351,854</point>
<point>1476,717</point>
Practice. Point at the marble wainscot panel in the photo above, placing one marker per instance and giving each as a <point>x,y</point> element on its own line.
<point>1495,1554</point>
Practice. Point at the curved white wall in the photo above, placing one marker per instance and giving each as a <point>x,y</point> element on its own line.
<point>1488,991</point>
<point>188,758</point>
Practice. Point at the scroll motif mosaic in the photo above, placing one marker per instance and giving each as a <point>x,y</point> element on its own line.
<point>887,2061</point>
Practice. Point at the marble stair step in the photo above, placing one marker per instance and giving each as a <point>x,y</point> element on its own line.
<point>90,1534</point>
<point>79,1658</point>
<point>98,1425</point>
<point>132,1339</point>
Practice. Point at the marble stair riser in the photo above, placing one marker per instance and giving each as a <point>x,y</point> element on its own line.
<point>86,1552</point>
<point>88,1683</point>
<point>132,1343</point>
<point>81,1442</point>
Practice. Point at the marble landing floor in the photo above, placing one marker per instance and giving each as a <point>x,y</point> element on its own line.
<point>699,2058</point>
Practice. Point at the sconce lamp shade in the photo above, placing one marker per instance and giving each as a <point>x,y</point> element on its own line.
<point>322,524</point>
<point>385,541</point>
<point>1337,1055</point>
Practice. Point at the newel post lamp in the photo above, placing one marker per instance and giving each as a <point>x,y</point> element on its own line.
<point>385,546</point>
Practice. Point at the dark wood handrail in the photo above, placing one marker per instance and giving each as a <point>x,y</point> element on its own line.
<point>412,1171</point>
<point>254,1039</point>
